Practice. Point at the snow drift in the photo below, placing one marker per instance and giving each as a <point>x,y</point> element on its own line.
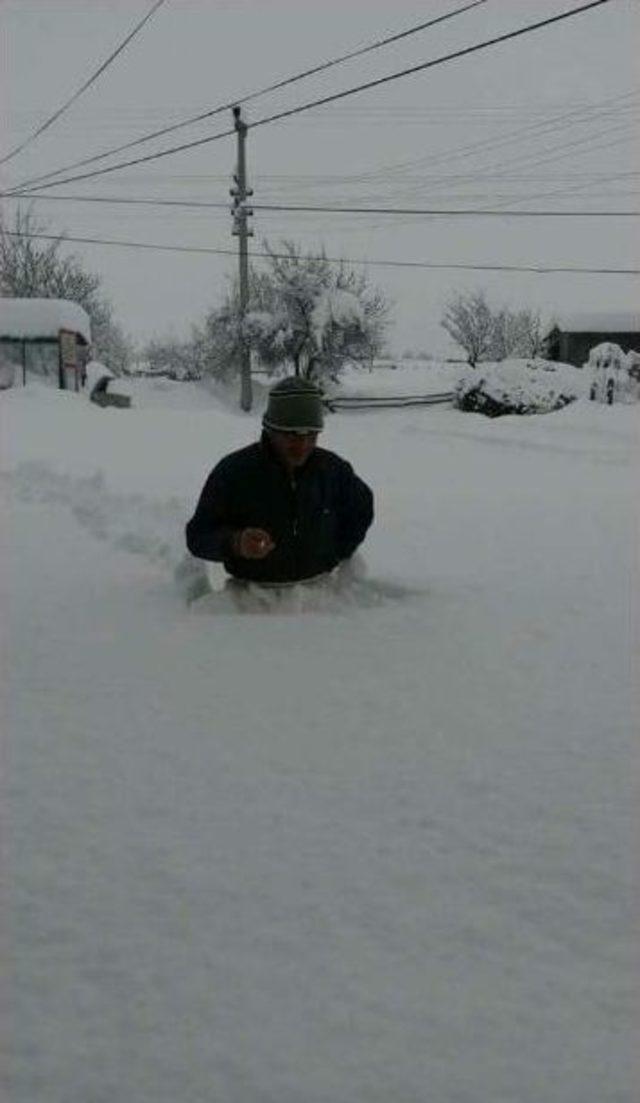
<point>368,852</point>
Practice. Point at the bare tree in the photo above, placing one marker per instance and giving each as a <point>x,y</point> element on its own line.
<point>506,335</point>
<point>468,319</point>
<point>27,268</point>
<point>487,334</point>
<point>532,334</point>
<point>31,268</point>
<point>516,333</point>
<point>173,358</point>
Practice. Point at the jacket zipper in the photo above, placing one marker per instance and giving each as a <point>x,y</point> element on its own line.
<point>294,487</point>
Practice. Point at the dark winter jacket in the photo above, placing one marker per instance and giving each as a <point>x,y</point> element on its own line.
<point>316,517</point>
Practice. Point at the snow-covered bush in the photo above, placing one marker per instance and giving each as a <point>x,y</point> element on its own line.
<point>518,387</point>
<point>614,374</point>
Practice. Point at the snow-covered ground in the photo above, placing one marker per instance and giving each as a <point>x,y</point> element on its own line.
<point>407,378</point>
<point>369,853</point>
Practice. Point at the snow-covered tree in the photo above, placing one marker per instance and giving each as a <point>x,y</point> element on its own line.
<point>304,311</point>
<point>325,315</point>
<point>32,268</point>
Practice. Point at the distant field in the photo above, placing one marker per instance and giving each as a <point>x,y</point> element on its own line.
<point>409,377</point>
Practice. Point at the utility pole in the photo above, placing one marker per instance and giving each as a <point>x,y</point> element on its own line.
<point>241,212</point>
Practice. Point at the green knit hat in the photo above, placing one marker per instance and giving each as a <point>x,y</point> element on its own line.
<point>295,406</point>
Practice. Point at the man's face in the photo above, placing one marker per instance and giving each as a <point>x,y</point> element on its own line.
<point>293,449</point>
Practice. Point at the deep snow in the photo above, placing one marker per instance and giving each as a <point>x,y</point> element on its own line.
<point>376,852</point>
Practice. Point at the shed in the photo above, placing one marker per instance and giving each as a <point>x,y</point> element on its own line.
<point>571,339</point>
<point>49,338</point>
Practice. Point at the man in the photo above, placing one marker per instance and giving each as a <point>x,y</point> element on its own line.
<point>282,510</point>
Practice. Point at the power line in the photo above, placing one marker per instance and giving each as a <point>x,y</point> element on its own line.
<point>557,121</point>
<point>332,98</point>
<point>581,147</point>
<point>562,122</point>
<point>448,179</point>
<point>190,203</point>
<point>431,64</point>
<point>207,250</point>
<point>87,84</point>
<point>430,212</point>
<point>255,95</point>
<point>556,153</point>
<point>128,164</point>
<point>570,190</point>
<point>623,139</point>
<point>584,115</point>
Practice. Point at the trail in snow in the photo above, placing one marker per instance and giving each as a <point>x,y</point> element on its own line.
<point>154,529</point>
<point>130,522</point>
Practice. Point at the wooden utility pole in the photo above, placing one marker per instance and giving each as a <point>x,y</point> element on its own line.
<point>241,212</point>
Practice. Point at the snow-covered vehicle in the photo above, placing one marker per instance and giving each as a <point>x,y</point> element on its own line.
<point>612,374</point>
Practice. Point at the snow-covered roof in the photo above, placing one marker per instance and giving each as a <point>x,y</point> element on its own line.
<point>621,321</point>
<point>24,318</point>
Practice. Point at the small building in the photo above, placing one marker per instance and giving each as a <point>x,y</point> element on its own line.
<point>45,338</point>
<point>571,339</point>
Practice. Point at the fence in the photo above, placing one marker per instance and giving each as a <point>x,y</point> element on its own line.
<point>380,402</point>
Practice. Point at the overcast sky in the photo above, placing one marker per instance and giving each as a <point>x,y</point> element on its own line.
<point>547,121</point>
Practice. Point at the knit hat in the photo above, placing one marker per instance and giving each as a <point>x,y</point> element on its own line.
<point>295,406</point>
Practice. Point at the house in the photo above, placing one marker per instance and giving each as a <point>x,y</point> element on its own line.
<point>571,339</point>
<point>47,338</point>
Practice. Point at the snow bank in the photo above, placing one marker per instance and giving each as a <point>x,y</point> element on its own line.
<point>24,318</point>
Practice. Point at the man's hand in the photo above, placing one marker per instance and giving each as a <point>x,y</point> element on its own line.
<point>252,543</point>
